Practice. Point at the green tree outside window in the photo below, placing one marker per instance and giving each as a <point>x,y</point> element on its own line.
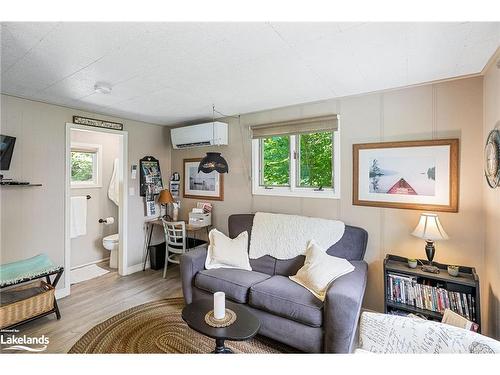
<point>315,165</point>
<point>276,161</point>
<point>82,166</point>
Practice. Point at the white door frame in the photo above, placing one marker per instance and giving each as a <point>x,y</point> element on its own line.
<point>122,210</point>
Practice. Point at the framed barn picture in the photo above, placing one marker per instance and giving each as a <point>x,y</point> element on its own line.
<point>417,175</point>
<point>199,185</point>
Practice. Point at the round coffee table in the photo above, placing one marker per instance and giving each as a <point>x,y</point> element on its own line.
<point>245,327</point>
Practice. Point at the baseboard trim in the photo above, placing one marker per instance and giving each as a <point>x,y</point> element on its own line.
<point>61,293</point>
<point>136,268</point>
<point>89,263</point>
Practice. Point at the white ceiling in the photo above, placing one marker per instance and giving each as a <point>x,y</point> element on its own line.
<point>169,73</point>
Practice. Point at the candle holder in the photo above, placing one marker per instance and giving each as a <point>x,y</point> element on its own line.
<point>229,318</point>
<point>220,316</point>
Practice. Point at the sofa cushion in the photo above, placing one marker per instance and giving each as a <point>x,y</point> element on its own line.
<point>320,270</point>
<point>243,222</point>
<point>225,252</point>
<point>289,267</point>
<point>281,296</point>
<point>234,282</point>
<point>263,264</point>
<point>352,245</point>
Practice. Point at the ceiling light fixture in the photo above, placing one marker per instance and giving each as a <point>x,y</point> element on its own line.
<point>213,161</point>
<point>102,88</point>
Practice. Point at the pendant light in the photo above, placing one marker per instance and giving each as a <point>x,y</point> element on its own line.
<point>213,161</point>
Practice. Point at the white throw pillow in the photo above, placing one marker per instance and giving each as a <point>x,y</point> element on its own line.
<point>320,270</point>
<point>224,252</point>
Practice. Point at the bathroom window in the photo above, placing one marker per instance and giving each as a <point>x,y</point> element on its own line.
<point>85,165</point>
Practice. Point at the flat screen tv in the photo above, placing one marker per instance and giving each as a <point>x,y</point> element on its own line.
<point>6,149</point>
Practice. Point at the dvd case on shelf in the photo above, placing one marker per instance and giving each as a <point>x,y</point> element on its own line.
<point>406,290</point>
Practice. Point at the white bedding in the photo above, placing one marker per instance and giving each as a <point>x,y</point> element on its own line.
<point>286,236</point>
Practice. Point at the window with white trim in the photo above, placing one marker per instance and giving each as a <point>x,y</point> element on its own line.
<point>297,158</point>
<point>85,165</point>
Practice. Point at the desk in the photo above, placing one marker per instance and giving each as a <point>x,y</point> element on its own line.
<point>194,228</point>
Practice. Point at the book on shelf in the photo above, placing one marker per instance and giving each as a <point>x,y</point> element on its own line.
<point>406,290</point>
<point>454,319</point>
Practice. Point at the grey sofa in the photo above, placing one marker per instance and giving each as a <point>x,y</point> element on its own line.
<point>288,312</point>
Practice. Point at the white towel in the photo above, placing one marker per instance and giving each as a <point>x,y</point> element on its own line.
<point>78,225</point>
<point>114,184</point>
<point>286,236</point>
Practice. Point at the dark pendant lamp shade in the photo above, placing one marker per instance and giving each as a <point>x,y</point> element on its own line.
<point>213,161</point>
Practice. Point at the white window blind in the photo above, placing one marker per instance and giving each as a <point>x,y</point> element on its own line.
<point>299,126</point>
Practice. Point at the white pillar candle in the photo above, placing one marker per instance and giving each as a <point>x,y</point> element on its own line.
<point>219,305</point>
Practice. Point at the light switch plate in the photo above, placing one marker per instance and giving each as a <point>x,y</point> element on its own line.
<point>131,191</point>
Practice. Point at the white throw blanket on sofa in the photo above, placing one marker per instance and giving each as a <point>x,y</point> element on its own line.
<point>286,236</point>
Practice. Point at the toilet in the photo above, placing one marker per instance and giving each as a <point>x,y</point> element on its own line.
<point>111,243</point>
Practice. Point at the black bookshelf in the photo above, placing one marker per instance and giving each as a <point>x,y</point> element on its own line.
<point>466,282</point>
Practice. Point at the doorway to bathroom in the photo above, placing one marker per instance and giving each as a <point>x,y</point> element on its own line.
<point>95,203</point>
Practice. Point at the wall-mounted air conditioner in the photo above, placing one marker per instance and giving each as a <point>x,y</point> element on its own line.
<point>209,134</point>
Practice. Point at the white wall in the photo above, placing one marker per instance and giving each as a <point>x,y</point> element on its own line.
<point>88,248</point>
<point>32,218</point>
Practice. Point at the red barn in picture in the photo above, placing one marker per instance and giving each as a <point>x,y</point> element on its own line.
<point>402,187</point>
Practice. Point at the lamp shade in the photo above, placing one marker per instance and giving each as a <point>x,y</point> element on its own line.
<point>429,228</point>
<point>165,197</point>
<point>213,161</point>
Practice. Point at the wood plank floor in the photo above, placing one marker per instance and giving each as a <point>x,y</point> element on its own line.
<point>98,299</point>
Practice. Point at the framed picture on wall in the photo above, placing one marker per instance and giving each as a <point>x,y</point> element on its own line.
<point>202,185</point>
<point>417,175</point>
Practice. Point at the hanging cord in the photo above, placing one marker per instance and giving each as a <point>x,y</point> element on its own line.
<point>245,166</point>
<point>244,160</point>
<point>223,114</point>
<point>214,111</point>
<point>213,123</point>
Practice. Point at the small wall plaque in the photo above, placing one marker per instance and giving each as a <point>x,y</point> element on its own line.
<point>97,123</point>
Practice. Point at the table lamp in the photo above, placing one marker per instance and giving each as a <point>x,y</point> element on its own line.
<point>430,229</point>
<point>164,199</point>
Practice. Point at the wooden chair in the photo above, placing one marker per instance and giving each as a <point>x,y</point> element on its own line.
<point>175,242</point>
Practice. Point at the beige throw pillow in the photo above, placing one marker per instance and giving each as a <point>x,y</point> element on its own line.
<point>320,270</point>
<point>224,252</point>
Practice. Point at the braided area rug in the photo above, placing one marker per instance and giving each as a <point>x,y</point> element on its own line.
<point>157,327</point>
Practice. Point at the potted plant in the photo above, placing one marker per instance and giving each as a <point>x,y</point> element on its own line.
<point>412,263</point>
<point>453,270</point>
